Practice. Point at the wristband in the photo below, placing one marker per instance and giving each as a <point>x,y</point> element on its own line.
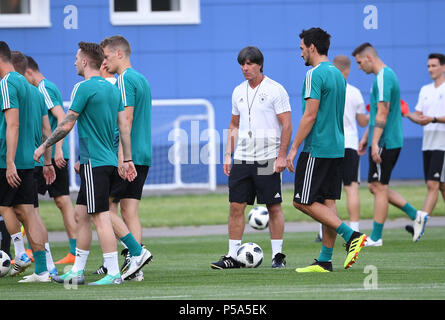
<point>128,160</point>
<point>47,165</point>
<point>434,120</point>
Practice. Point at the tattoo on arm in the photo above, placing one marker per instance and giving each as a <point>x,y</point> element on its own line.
<point>380,124</point>
<point>60,133</point>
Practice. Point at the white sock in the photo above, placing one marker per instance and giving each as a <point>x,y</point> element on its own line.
<point>81,260</point>
<point>355,225</point>
<point>49,258</point>
<point>233,247</point>
<point>277,246</point>
<point>320,233</point>
<point>111,263</point>
<point>19,244</point>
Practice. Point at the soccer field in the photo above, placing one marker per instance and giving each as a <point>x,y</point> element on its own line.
<point>180,270</point>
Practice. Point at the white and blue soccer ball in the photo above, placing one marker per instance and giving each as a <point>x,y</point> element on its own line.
<point>259,218</point>
<point>5,263</point>
<point>250,255</point>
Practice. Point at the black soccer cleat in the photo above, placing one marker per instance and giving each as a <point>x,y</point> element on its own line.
<point>409,228</point>
<point>126,254</point>
<point>101,270</point>
<point>226,262</point>
<point>278,261</point>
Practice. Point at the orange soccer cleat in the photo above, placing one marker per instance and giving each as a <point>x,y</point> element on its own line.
<point>68,259</point>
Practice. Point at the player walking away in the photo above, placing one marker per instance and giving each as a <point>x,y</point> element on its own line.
<point>136,97</point>
<point>97,107</point>
<point>318,173</point>
<point>17,142</point>
<point>42,128</point>
<point>59,190</point>
<point>385,139</point>
<point>261,128</point>
<point>430,113</point>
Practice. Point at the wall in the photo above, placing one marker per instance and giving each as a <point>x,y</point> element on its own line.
<point>199,61</point>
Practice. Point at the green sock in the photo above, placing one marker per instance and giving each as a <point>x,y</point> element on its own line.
<point>410,211</point>
<point>72,246</point>
<point>377,231</point>
<point>133,246</point>
<point>345,231</point>
<point>40,262</point>
<point>325,254</point>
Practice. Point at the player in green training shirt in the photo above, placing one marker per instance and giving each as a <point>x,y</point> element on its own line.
<point>97,107</point>
<point>17,143</point>
<point>59,190</point>
<point>136,97</point>
<point>385,140</point>
<point>318,172</point>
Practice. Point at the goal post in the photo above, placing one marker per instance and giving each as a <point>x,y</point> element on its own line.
<point>184,145</point>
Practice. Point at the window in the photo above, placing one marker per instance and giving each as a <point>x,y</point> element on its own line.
<point>24,13</point>
<point>139,12</point>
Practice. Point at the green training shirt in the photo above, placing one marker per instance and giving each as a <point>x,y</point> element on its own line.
<point>135,91</point>
<point>326,84</point>
<point>98,102</point>
<point>386,88</point>
<point>39,110</point>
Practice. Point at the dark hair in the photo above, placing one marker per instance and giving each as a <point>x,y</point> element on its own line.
<point>438,56</point>
<point>363,47</point>
<point>94,52</point>
<point>5,52</point>
<point>117,41</point>
<point>32,64</point>
<point>318,37</point>
<point>253,54</point>
<point>19,62</point>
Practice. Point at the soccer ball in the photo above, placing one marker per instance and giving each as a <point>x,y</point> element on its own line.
<point>5,263</point>
<point>250,255</point>
<point>258,218</point>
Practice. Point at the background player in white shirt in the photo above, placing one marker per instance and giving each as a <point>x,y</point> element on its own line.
<point>261,128</point>
<point>430,113</point>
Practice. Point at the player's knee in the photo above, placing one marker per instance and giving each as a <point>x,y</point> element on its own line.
<point>433,186</point>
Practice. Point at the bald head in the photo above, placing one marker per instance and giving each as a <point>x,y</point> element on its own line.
<point>343,63</point>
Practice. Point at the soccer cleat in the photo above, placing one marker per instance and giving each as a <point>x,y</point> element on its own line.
<point>53,272</point>
<point>30,255</point>
<point>137,262</point>
<point>353,247</point>
<point>70,277</point>
<point>278,261</point>
<point>317,266</point>
<point>43,277</point>
<point>116,279</point>
<point>127,258</point>
<point>419,225</point>
<point>409,228</point>
<point>226,262</point>
<point>371,243</point>
<point>101,270</point>
<point>68,259</point>
<point>20,265</point>
<point>138,276</point>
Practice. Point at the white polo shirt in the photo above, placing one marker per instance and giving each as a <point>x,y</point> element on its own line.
<point>354,104</point>
<point>267,100</point>
<point>432,103</point>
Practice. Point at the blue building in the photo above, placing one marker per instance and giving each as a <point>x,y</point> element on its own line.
<point>188,48</point>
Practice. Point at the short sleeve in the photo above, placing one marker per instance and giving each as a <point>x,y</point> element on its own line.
<point>43,106</point>
<point>235,109</point>
<point>360,103</point>
<point>281,102</point>
<point>419,106</point>
<point>384,86</point>
<point>9,95</point>
<point>313,85</point>
<point>79,97</point>
<point>51,99</point>
<point>127,90</point>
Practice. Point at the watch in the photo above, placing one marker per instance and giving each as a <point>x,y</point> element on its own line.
<point>434,120</point>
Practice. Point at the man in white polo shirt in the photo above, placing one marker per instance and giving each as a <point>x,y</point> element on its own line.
<point>261,128</point>
<point>430,113</point>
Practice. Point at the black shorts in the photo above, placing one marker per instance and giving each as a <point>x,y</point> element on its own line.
<point>95,187</point>
<point>254,179</point>
<point>60,186</point>
<point>125,189</point>
<point>381,172</point>
<point>317,179</point>
<point>24,194</point>
<point>434,165</point>
<point>351,167</point>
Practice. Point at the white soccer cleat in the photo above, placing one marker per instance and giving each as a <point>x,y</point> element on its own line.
<point>137,262</point>
<point>419,224</point>
<point>44,277</point>
<point>370,243</point>
<point>20,265</point>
